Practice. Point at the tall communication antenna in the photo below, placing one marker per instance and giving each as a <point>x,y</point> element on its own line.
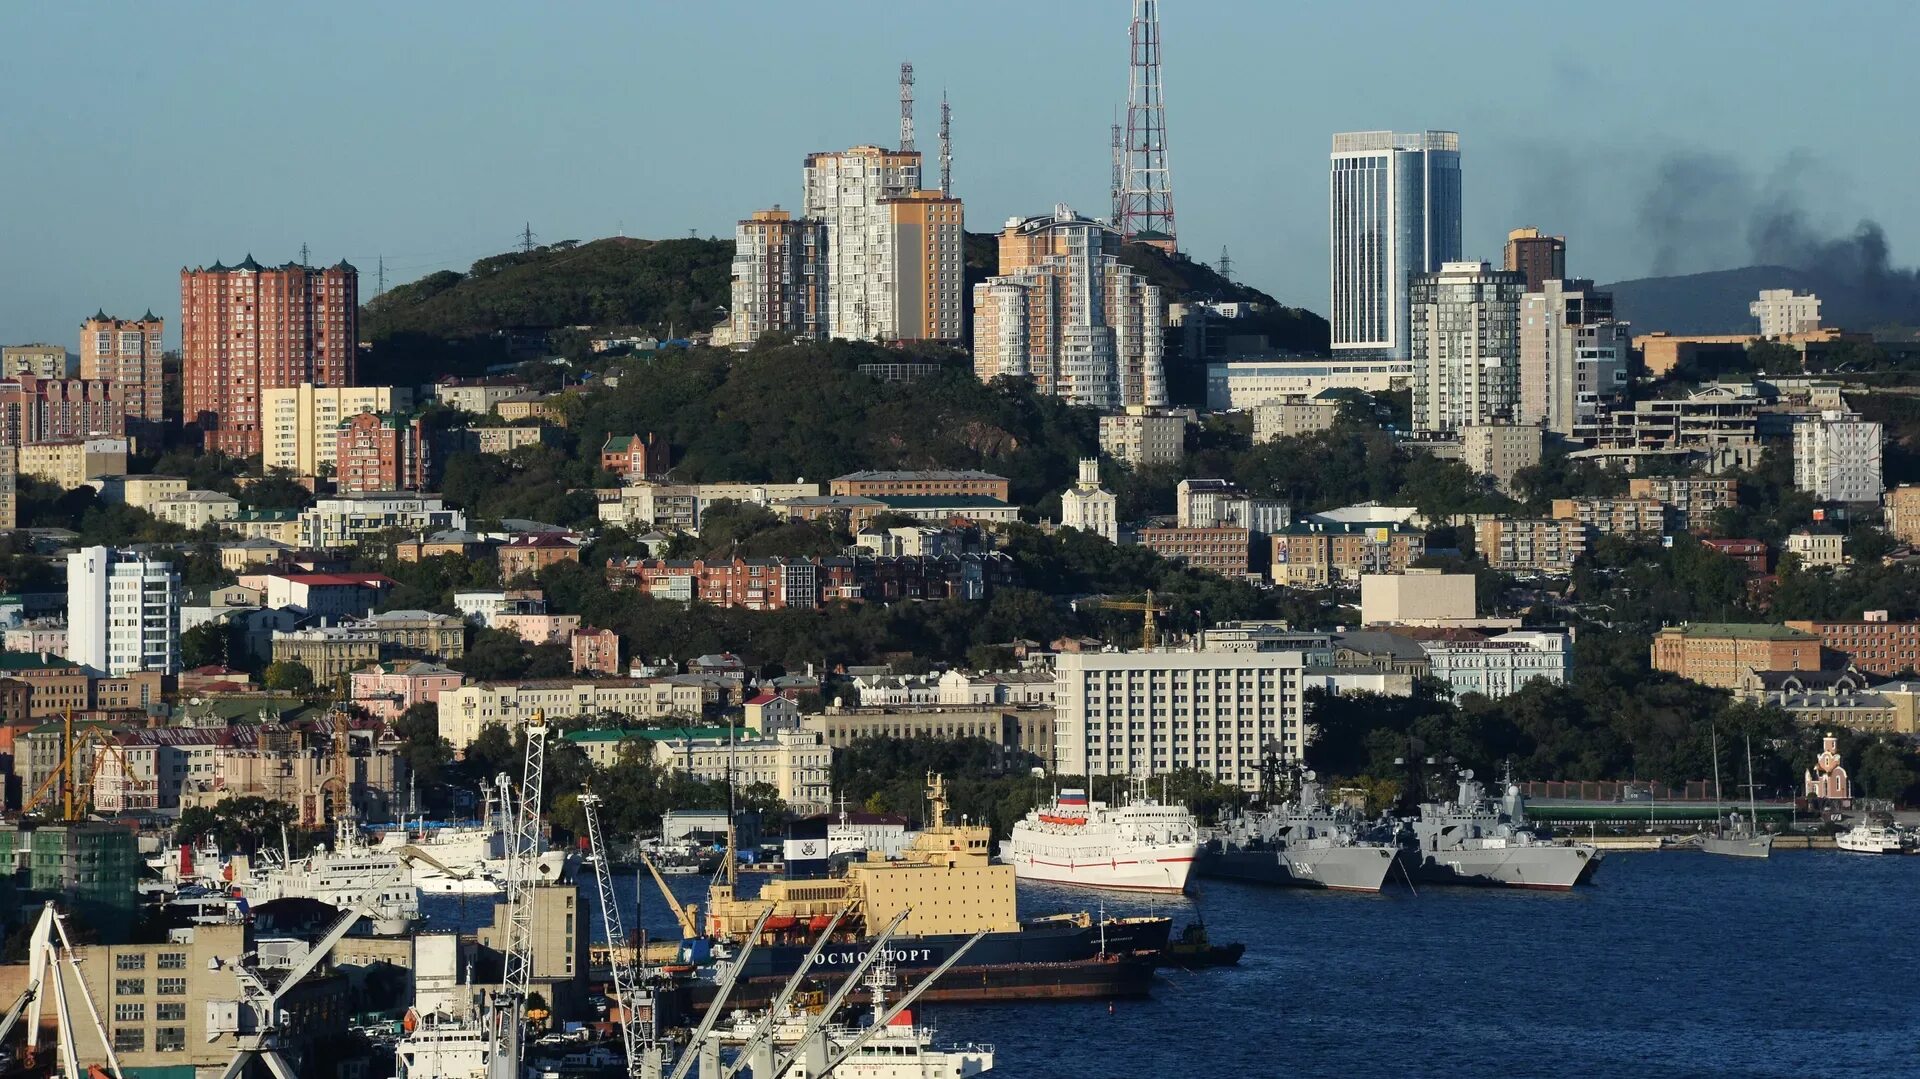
<point>946,146</point>
<point>906,108</point>
<point>1226,263</point>
<point>1119,189</point>
<point>526,239</point>
<point>381,277</point>
<point>1147,215</point>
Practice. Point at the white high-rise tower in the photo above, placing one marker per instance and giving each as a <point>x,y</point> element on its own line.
<point>1394,212</point>
<point>123,612</point>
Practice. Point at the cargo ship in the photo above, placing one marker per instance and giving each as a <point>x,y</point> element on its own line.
<point>945,887</point>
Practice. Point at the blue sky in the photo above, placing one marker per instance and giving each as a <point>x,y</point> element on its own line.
<point>141,137</point>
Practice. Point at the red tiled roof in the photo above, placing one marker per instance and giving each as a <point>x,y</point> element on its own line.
<point>361,579</point>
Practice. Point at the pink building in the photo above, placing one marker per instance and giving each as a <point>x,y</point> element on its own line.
<point>596,650</point>
<point>539,628</point>
<point>1827,779</point>
<point>387,689</point>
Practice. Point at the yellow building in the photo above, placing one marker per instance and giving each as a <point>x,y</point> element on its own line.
<point>929,271</point>
<point>194,510</point>
<point>281,526</point>
<point>1903,512</point>
<point>71,464</point>
<point>302,421</point>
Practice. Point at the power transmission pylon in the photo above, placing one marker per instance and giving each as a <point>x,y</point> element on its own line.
<point>526,239</point>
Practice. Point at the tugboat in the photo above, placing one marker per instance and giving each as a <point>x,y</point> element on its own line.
<point>1142,846</point>
<point>1304,843</point>
<point>1475,839</point>
<point>1193,950</point>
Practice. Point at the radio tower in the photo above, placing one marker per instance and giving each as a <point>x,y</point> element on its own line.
<point>906,108</point>
<point>946,147</point>
<point>1119,174</point>
<point>1147,215</point>
<point>1226,263</point>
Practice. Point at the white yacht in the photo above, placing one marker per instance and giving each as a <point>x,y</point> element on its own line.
<point>1142,846</point>
<point>350,874</point>
<point>1868,838</point>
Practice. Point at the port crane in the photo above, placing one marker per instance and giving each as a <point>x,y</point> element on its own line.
<point>641,1046</point>
<point>48,947</point>
<point>687,914</point>
<point>508,1009</point>
<point>79,768</point>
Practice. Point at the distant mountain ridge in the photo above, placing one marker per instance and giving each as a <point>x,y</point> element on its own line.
<point>1716,301</point>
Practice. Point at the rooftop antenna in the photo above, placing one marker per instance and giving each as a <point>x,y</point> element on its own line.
<point>526,239</point>
<point>303,255</point>
<point>946,147</point>
<point>1119,188</point>
<point>906,108</point>
<point>1226,263</point>
<point>1148,197</point>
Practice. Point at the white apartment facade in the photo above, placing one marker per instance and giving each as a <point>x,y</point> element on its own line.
<point>797,763</point>
<point>123,612</point>
<point>1140,713</point>
<point>1501,664</point>
<point>1090,507</point>
<point>1393,213</point>
<point>1782,314</point>
<point>1143,436</point>
<point>1836,457</point>
<point>1573,354</point>
<point>346,519</point>
<point>847,191</point>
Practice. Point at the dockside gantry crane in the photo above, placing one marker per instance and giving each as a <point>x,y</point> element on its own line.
<point>642,1046</point>
<point>508,1010</point>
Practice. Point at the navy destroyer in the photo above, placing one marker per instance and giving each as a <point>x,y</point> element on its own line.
<point>1302,842</point>
<point>1477,839</point>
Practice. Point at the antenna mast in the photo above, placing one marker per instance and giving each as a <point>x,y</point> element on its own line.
<point>1119,188</point>
<point>526,239</point>
<point>946,147</point>
<point>906,108</point>
<point>1148,212</point>
<point>1226,263</point>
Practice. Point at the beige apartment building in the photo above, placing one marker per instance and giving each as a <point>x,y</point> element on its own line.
<point>1538,545</point>
<point>1614,516</point>
<point>194,510</point>
<point>1501,450</point>
<point>1293,416</point>
<point>895,265</point>
<point>1691,500</point>
<point>1902,506</point>
<point>330,652</point>
<point>464,711</point>
<point>40,361</point>
<point>71,464</point>
<point>779,278</point>
<point>1143,436</point>
<point>303,422</point>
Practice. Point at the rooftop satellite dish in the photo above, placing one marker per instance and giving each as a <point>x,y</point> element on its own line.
<point>1466,773</point>
<point>1311,776</point>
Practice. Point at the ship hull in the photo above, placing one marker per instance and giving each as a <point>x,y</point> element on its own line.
<point>1545,867</point>
<point>1161,869</point>
<point>1037,944</point>
<point>1759,846</point>
<point>1341,869</point>
<point>1087,979</point>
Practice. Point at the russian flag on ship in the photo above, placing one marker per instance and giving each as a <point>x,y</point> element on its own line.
<point>1073,798</point>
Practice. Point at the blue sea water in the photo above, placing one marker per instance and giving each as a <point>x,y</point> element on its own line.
<point>1670,965</point>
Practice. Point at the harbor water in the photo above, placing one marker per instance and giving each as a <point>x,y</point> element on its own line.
<point>1671,964</point>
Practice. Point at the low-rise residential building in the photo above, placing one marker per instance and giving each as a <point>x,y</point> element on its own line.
<point>1314,554</point>
<point>797,763</point>
<point>1720,653</point>
<point>70,463</point>
<point>324,595</point>
<point>939,483</point>
<point>464,711</point>
<point>1532,544</point>
<point>278,525</point>
<point>505,439</point>
<point>781,583</point>
<point>851,512</point>
<point>538,627</point>
<point>1873,644</point>
<point>330,652</point>
<point>140,492</point>
<point>1295,415</point>
<point>476,396</point>
<point>1817,545</point>
<point>386,690</point>
<point>58,685</point>
<point>1751,553</point>
<point>643,504</point>
<point>1224,549</point>
<point>531,552</point>
<point>596,651</point>
<point>195,510</point>
<point>415,633</point>
<point>1830,699</point>
<point>1210,503</point>
<point>237,556</point>
<point>346,519</point>
<point>635,457</point>
<point>1692,501</point>
<point>1501,664</point>
<point>946,509</point>
<point>1614,516</point>
<point>1143,436</point>
<point>1500,450</point>
<point>531,406</point>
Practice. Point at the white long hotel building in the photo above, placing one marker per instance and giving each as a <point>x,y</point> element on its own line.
<point>1139,713</point>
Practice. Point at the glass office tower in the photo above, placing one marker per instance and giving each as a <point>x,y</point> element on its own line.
<point>1394,212</point>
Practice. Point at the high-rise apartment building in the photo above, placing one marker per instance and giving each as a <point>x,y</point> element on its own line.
<point>1395,213</point>
<point>1836,457</point>
<point>40,361</point>
<point>1065,312</point>
<point>894,259</point>
<point>1573,354</point>
<point>250,328</point>
<point>779,277</point>
<point>123,612</point>
<point>9,488</point>
<point>1538,258</point>
<point>1781,313</point>
<point>36,410</point>
<point>380,452</point>
<point>302,422</point>
<point>126,352</point>
<point>1464,334</point>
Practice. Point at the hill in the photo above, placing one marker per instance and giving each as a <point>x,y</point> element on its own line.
<point>656,284</point>
<point>1716,301</point>
<point>1294,329</point>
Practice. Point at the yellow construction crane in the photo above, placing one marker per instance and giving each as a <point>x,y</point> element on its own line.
<point>77,770</point>
<point>687,914</point>
<point>1149,612</point>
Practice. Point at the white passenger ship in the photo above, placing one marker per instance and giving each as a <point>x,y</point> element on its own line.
<point>1142,846</point>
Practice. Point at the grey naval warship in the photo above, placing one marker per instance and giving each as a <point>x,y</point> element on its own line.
<point>1476,839</point>
<point>1303,843</point>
